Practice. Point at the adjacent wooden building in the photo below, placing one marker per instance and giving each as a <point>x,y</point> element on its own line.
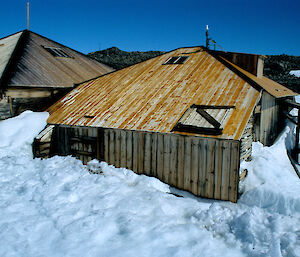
<point>187,117</point>
<point>35,71</point>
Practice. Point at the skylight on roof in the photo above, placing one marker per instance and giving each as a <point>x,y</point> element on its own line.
<point>204,119</point>
<point>177,60</point>
<point>57,52</point>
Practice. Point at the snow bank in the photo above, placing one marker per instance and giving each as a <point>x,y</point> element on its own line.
<point>55,207</point>
<point>20,131</point>
<point>272,182</point>
<point>296,73</point>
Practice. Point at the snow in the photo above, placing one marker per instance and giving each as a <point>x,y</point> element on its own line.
<point>296,73</point>
<point>57,207</point>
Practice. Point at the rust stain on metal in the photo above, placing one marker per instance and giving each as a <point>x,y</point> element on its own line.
<point>151,96</point>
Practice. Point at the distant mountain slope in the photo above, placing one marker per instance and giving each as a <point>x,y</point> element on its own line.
<point>277,67</point>
<point>118,59</point>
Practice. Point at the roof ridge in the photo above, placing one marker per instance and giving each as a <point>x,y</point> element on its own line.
<point>13,57</point>
<point>13,34</point>
<point>67,47</point>
<point>249,77</point>
<point>77,84</point>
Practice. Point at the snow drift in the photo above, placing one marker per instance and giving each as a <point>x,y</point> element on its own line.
<point>55,207</point>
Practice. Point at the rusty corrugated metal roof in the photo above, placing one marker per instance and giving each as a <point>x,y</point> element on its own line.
<point>273,88</point>
<point>150,96</point>
<point>7,46</point>
<point>34,66</point>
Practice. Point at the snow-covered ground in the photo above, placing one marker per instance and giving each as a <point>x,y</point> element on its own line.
<point>296,73</point>
<point>55,207</point>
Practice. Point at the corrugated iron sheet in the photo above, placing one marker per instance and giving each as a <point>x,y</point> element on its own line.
<point>150,96</point>
<point>272,87</point>
<point>36,67</point>
<point>7,46</point>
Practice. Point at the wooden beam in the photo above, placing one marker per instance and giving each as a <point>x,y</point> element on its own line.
<point>292,104</point>
<point>209,118</point>
<point>212,106</point>
<point>194,129</point>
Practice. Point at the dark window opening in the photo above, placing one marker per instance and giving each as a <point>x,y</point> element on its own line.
<point>182,59</point>
<point>89,116</point>
<point>57,52</point>
<point>177,60</point>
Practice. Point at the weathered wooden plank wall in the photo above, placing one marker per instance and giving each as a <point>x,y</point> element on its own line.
<point>268,119</point>
<point>247,140</point>
<point>203,166</point>
<point>206,167</point>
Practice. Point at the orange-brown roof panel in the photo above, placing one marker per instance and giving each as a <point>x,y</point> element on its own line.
<point>275,89</point>
<point>150,96</point>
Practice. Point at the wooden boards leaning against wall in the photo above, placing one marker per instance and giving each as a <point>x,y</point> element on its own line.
<point>269,114</point>
<point>206,167</point>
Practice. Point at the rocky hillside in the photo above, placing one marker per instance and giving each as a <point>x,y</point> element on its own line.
<point>277,67</point>
<point>118,59</point>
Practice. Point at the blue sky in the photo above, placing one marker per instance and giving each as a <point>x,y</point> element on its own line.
<point>263,27</point>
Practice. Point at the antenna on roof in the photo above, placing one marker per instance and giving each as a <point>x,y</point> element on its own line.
<point>27,15</point>
<point>209,39</point>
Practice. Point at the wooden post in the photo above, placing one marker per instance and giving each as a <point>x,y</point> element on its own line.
<point>27,15</point>
<point>297,137</point>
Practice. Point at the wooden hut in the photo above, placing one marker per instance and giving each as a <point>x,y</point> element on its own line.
<point>35,71</point>
<point>187,117</point>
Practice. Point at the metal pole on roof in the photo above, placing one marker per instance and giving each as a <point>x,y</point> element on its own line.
<point>207,38</point>
<point>27,15</point>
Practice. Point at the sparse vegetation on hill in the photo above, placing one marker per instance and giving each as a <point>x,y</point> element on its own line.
<point>277,67</point>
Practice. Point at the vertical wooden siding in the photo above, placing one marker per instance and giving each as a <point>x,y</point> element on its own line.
<point>203,166</point>
<point>206,167</point>
<point>268,119</point>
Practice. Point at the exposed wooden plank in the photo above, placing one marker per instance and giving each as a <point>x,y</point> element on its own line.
<point>147,154</point>
<point>154,154</point>
<point>226,164</point>
<point>129,144</point>
<point>197,130</point>
<point>166,156</point>
<point>123,158</point>
<point>213,106</point>
<point>210,168</point>
<point>291,103</point>
<point>180,181</point>
<point>173,160</point>
<point>85,147</point>
<point>135,152</point>
<point>209,118</point>
<point>141,152</point>
<point>202,167</point>
<point>234,172</point>
<point>187,163</point>
<point>100,144</point>
<point>195,165</point>
<point>111,147</point>
<point>106,145</point>
<point>160,156</point>
<point>219,149</point>
<point>117,147</point>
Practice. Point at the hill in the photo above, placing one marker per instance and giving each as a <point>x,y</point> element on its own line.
<point>277,67</point>
<point>118,59</point>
